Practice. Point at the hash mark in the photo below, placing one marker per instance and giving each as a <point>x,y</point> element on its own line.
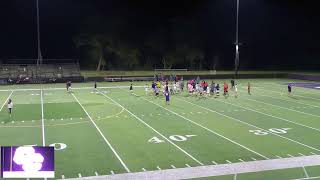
<point>228,161</point>
<point>313,153</point>
<point>173,166</point>
<point>112,172</point>
<point>158,168</point>
<point>188,165</point>
<point>301,154</point>
<point>290,155</point>
<point>214,162</point>
<point>143,169</point>
<point>279,157</point>
<point>96,173</point>
<point>254,159</point>
<point>62,176</point>
<point>79,175</point>
<point>241,160</point>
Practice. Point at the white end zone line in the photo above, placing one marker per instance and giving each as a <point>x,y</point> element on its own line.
<point>216,170</point>
<point>104,138</point>
<point>217,134</point>
<point>146,124</point>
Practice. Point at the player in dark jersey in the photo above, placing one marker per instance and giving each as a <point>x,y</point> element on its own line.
<point>225,90</point>
<point>289,89</point>
<point>167,97</point>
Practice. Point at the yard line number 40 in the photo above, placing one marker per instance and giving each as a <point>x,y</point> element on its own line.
<point>260,132</point>
<point>178,138</point>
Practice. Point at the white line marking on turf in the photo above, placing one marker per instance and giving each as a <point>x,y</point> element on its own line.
<point>290,155</point>
<point>301,154</point>
<point>143,169</point>
<point>266,114</point>
<point>42,120</point>
<point>228,161</point>
<point>209,129</point>
<point>279,157</point>
<point>214,162</point>
<point>305,172</point>
<point>164,137</point>
<point>6,101</point>
<point>112,172</point>
<point>173,166</point>
<point>96,173</point>
<point>254,159</point>
<point>104,138</point>
<point>241,160</point>
<point>251,125</point>
<point>188,165</point>
<point>313,153</point>
<point>235,177</point>
<point>62,176</point>
<point>283,107</point>
<point>79,175</point>
<point>158,168</point>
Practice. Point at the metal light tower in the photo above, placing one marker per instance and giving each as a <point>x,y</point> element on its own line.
<point>39,60</point>
<point>236,61</point>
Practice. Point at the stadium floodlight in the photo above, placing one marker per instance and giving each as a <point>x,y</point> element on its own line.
<point>236,61</point>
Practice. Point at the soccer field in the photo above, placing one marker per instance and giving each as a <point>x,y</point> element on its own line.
<point>113,132</point>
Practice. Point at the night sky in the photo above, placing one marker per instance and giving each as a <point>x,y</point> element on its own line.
<point>275,33</point>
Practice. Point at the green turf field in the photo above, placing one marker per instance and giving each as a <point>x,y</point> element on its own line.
<point>113,131</point>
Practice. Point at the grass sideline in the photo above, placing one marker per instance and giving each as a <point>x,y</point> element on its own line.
<point>147,135</point>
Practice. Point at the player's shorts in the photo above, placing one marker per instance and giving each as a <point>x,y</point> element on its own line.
<point>289,90</point>
<point>167,99</point>
<point>10,110</point>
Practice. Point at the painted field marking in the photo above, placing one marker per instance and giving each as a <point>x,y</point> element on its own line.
<point>253,158</point>
<point>235,177</point>
<point>102,135</point>
<point>301,154</point>
<point>208,129</point>
<point>62,176</point>
<point>279,157</point>
<point>187,165</point>
<point>173,166</point>
<point>146,124</point>
<point>6,101</point>
<point>158,168</point>
<point>276,117</point>
<point>251,125</point>
<point>96,173</point>
<point>305,172</point>
<point>313,153</point>
<point>290,155</point>
<point>283,107</point>
<point>228,161</point>
<point>214,162</point>
<point>79,175</point>
<point>241,160</point>
<point>112,172</point>
<point>143,169</point>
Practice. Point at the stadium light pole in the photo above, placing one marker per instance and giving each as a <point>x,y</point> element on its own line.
<point>39,60</point>
<point>236,61</point>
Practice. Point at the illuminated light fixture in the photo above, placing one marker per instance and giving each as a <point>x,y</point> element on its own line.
<point>28,158</point>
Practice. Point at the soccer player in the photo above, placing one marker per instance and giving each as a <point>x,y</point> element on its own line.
<point>232,84</point>
<point>249,88</point>
<point>131,89</point>
<point>68,86</point>
<point>217,90</point>
<point>167,97</point>
<point>10,106</point>
<point>236,90</point>
<point>225,90</point>
<point>95,86</point>
<point>289,89</point>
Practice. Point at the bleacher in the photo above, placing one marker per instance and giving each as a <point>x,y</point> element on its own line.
<point>45,73</point>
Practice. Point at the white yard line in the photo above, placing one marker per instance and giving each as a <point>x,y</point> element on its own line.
<point>298,102</point>
<point>6,101</point>
<point>234,142</point>
<point>146,124</point>
<point>216,170</point>
<point>305,172</point>
<point>251,125</point>
<point>283,107</point>
<point>102,135</point>
<point>42,121</point>
<point>266,114</point>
